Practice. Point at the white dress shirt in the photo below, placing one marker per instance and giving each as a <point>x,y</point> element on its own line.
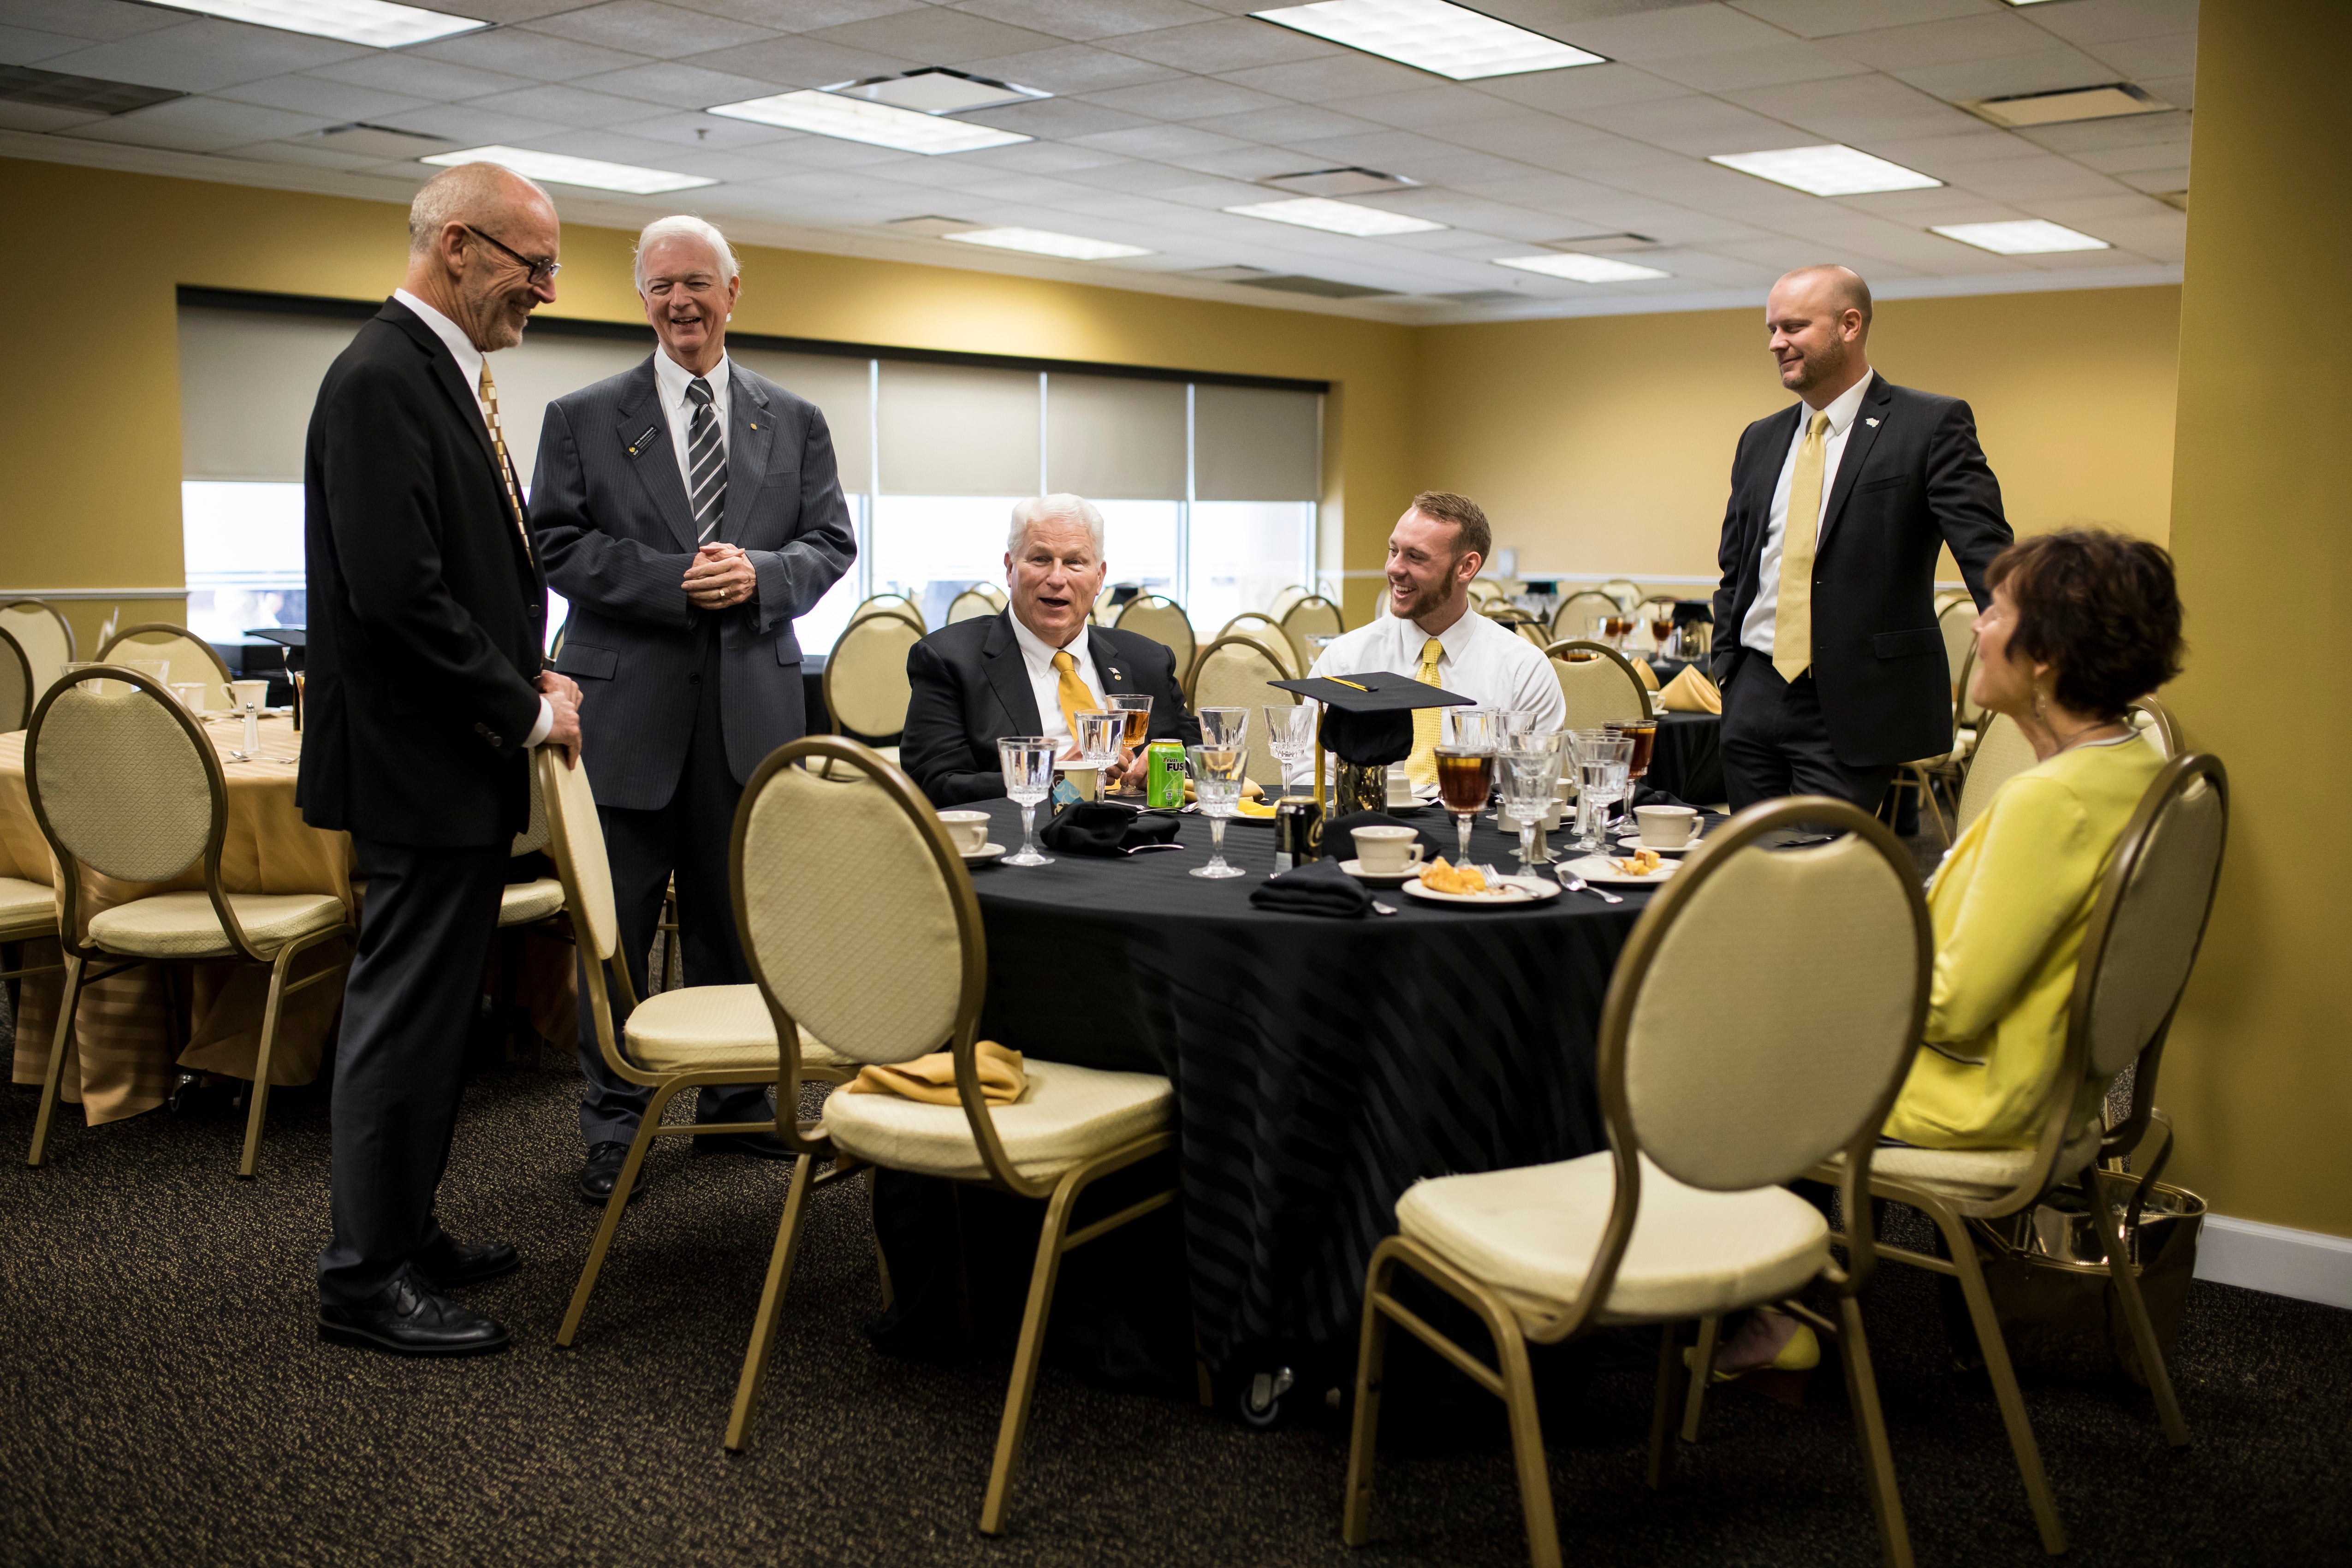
<point>1478,658</point>
<point>1046,681</point>
<point>1756,631</point>
<point>470,366</point>
<point>671,381</point>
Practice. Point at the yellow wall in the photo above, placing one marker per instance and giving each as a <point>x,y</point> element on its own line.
<point>2259,1075</point>
<point>89,494</point>
<point>1603,444</point>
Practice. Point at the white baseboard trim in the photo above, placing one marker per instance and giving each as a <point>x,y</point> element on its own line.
<point>2304,1264</point>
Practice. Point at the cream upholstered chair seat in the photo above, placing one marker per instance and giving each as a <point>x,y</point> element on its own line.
<point>182,925</point>
<point>1532,1231</point>
<point>697,1028</point>
<point>525,903</point>
<point>1066,1115</point>
<point>1978,1176</point>
<point>24,903</point>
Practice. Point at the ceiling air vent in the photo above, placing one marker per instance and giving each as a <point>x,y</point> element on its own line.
<point>1235,274</point>
<point>2105,102</point>
<point>1329,289</point>
<point>385,142</point>
<point>935,90</point>
<point>1602,243</point>
<point>1350,182</point>
<point>90,94</point>
<point>1483,297</point>
<point>931,224</point>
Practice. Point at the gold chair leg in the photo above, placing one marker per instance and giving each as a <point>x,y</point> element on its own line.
<point>1371,1355</point>
<point>1870,1423</point>
<point>881,1260</point>
<point>57,1049</point>
<point>1526,1439</point>
<point>260,1106</point>
<point>754,1375</point>
<point>1031,1349</point>
<point>638,1148</point>
<point>2135,1305</point>
<point>2004,1375</point>
<point>1702,1374</point>
<point>1661,1415</point>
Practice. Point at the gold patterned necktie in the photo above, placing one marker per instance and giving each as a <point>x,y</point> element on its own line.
<point>1792,617</point>
<point>490,394</point>
<point>1071,692</point>
<point>1422,767</point>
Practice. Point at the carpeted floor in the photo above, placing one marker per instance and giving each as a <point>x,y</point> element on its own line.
<point>168,1402</point>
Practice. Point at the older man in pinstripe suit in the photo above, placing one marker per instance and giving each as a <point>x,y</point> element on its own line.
<point>690,510</point>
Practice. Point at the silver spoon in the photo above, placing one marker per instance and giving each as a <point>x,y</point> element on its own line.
<point>1576,884</point>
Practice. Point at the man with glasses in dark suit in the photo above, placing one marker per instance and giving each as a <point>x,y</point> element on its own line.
<point>690,512</point>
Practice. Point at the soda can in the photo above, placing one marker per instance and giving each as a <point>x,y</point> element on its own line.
<point>1163,776</point>
<point>1298,834</point>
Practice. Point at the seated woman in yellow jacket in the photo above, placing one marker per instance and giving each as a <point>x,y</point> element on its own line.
<point>2081,623</point>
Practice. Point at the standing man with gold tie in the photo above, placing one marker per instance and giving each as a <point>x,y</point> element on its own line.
<point>1827,650</point>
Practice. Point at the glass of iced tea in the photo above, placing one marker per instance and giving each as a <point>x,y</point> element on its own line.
<point>1137,705</point>
<point>1644,734</point>
<point>1465,779</point>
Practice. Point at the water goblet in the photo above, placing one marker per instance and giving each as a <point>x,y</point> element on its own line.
<point>1028,764</point>
<point>1099,741</point>
<point>1530,769</point>
<point>1218,774</point>
<point>1601,761</point>
<point>1224,729</point>
<point>1289,735</point>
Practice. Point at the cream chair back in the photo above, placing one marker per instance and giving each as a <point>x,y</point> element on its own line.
<point>2157,726</point>
<point>1956,618</point>
<point>18,693</point>
<point>42,630</point>
<point>890,603</point>
<point>1233,672</point>
<point>191,659</point>
<point>2003,753</point>
<point>534,835</point>
<point>1625,590</point>
<point>866,685</point>
<point>1287,597</point>
<point>2145,931</point>
<point>576,839</point>
<point>1597,689</point>
<point>1967,712</point>
<point>856,914</point>
<point>1268,631</point>
<point>1487,591</point>
<point>1575,614</point>
<point>1769,1000</point>
<point>1313,616</point>
<point>1165,623</point>
<point>971,605</point>
<point>120,777</point>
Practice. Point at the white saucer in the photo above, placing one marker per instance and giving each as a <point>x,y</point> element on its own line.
<point>1515,891</point>
<point>1602,868</point>
<point>1380,878</point>
<point>983,856</point>
<point>1634,841</point>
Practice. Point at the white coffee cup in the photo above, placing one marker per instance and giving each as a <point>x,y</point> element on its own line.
<point>967,830</point>
<point>1665,827</point>
<point>1383,850</point>
<point>1084,777</point>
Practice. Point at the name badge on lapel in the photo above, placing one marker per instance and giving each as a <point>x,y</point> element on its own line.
<point>642,442</point>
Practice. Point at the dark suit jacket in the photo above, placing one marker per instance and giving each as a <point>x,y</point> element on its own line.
<point>970,689</point>
<point>614,523</point>
<point>426,612</point>
<point>1911,477</point>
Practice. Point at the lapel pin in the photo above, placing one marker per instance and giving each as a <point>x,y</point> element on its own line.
<point>1871,423</point>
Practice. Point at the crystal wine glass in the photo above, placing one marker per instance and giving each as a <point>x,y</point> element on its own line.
<point>1602,760</point>
<point>1134,706</point>
<point>1097,739</point>
<point>1218,774</point>
<point>1028,763</point>
<point>1289,735</point>
<point>1530,767</point>
<point>1227,729</point>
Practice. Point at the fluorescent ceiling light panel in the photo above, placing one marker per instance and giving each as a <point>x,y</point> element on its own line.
<point>877,124</point>
<point>936,91</point>
<point>2025,236</point>
<point>1044,242</point>
<point>566,171</point>
<point>1582,269</point>
<point>1337,217</point>
<point>1433,36</point>
<point>378,22</point>
<point>1834,170</point>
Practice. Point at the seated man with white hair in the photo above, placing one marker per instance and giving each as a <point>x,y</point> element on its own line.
<point>1031,669</point>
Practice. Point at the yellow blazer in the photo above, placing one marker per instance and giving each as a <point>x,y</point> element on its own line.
<point>2010,905</point>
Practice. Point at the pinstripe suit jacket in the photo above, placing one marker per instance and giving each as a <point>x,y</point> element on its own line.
<point>617,532</point>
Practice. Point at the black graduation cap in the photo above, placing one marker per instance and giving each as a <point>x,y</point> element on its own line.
<point>1368,718</point>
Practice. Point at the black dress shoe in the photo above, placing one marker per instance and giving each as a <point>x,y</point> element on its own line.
<point>758,1145</point>
<point>602,1174</point>
<point>408,1318</point>
<point>458,1264</point>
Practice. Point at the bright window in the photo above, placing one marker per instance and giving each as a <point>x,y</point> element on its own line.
<point>1140,540</point>
<point>931,548</point>
<point>242,544</point>
<point>1244,553</point>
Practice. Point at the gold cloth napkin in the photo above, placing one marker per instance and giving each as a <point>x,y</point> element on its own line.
<point>1649,677</point>
<point>1692,692</point>
<point>932,1080</point>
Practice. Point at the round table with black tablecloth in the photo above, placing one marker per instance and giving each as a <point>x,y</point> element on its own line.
<point>1321,1066</point>
<point>1686,760</point>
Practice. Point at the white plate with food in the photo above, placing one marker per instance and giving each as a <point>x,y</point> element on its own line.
<point>1636,869</point>
<point>1469,885</point>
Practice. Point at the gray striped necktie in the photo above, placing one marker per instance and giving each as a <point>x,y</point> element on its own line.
<point>707,460</point>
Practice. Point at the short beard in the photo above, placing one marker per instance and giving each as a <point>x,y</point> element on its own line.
<point>1428,599</point>
<point>1820,372</point>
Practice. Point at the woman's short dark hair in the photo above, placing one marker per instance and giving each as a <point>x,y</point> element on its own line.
<point>2101,609</point>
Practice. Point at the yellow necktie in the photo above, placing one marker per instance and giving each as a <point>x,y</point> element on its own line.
<point>489,391</point>
<point>1422,767</point>
<point>1792,620</point>
<point>1071,692</point>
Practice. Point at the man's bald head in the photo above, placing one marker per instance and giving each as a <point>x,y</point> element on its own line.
<point>482,248</point>
<point>1842,287</point>
<point>1820,321</point>
<point>480,195</point>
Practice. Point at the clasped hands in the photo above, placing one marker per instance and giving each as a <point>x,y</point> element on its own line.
<point>719,575</point>
<point>562,694</point>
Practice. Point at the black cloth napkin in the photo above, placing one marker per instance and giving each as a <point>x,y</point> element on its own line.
<point>1103,827</point>
<point>1340,845</point>
<point>1644,796</point>
<point>1318,887</point>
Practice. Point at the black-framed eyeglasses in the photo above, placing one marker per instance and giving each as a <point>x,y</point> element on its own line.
<point>541,271</point>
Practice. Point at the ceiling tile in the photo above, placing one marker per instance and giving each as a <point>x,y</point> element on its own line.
<point>679,85</point>
<point>197,57</point>
<point>1187,97</point>
<point>1165,141</point>
<point>1134,176</point>
<point>801,62</point>
<point>39,118</point>
<point>1330,79</point>
<point>936,35</point>
<point>797,15</point>
<point>1474,213</point>
<point>2168,54</point>
<point>2092,22</point>
<point>1862,111</point>
<point>1429,107</point>
<point>1072,69</point>
<point>2090,135</point>
<point>1825,18</point>
<point>340,103</point>
<point>419,76</point>
<point>462,122</point>
<point>539,55</point>
<point>2164,181</point>
<point>2113,205</point>
<point>1036,157</point>
<point>1291,123</point>
<point>2005,76</point>
<point>2024,179</point>
<point>566,106</point>
<point>1558,145</point>
<point>833,152</point>
<point>650,27</point>
<point>129,130</point>
<point>705,130</point>
<point>308,154</point>
<point>1243,163</point>
<point>504,12</point>
<point>2135,159</point>
<point>1765,65</point>
<point>2177,91</point>
<point>2158,236</point>
<point>1993,31</point>
<point>1933,154</point>
<point>1675,30</point>
<point>1695,124</point>
<point>23,46</point>
<point>1450,162</point>
<point>1236,44</point>
<point>1091,18</point>
<point>89,19</point>
<point>1061,119</point>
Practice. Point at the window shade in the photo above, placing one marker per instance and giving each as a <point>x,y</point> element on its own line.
<point>1251,444</point>
<point>951,430</point>
<point>246,383</point>
<point>836,384</point>
<point>1108,438</point>
<point>539,370</point>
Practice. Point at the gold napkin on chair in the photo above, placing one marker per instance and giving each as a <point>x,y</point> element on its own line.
<point>932,1080</point>
<point>1691,693</point>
